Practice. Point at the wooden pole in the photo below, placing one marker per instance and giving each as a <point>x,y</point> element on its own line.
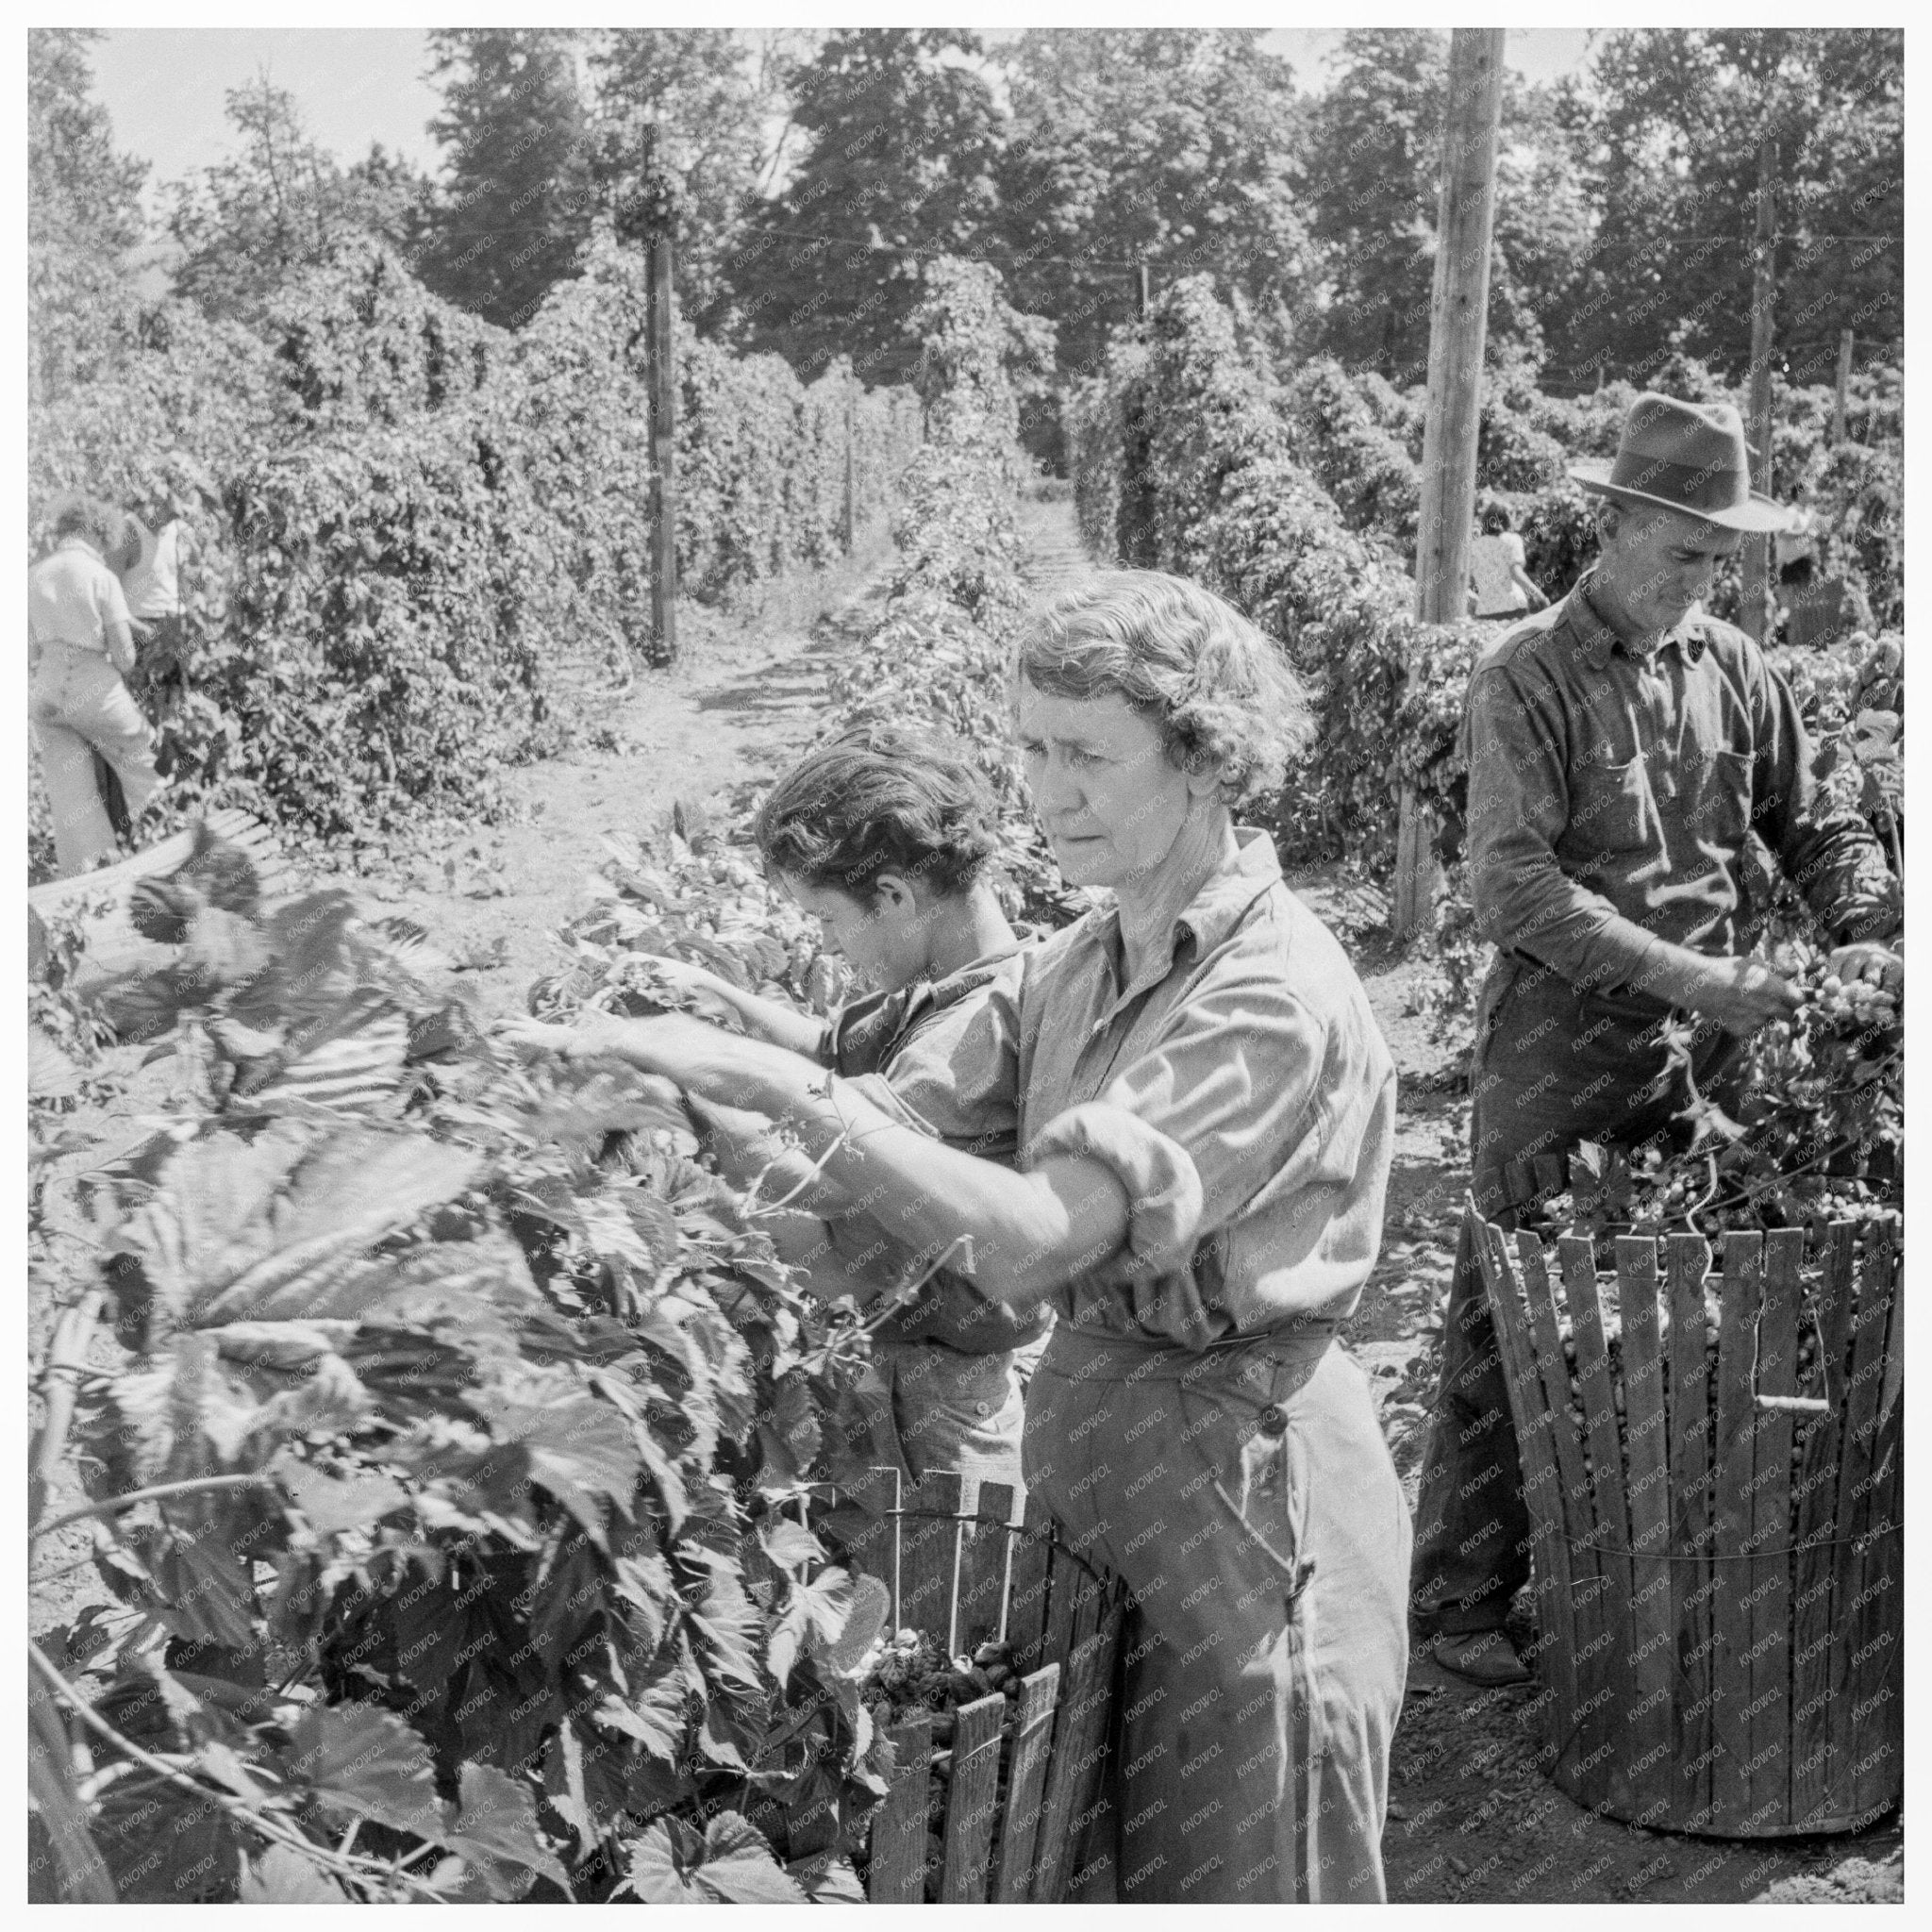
<point>1144,291</point>
<point>1759,575</point>
<point>661,381</point>
<point>1457,320</point>
<point>849,522</point>
<point>1845,386</point>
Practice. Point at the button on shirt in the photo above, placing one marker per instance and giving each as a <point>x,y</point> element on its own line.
<point>1611,796</point>
<point>72,597</point>
<point>1239,1090</point>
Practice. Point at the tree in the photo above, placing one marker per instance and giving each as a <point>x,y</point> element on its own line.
<point>515,206</point>
<point>277,205</point>
<point>1543,228</point>
<point>1374,172</point>
<point>904,139</point>
<point>1670,124</point>
<point>1374,154</point>
<point>83,212</point>
<point>1176,147</point>
<point>692,101</point>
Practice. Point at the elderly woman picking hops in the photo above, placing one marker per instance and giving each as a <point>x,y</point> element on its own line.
<point>1206,1111</point>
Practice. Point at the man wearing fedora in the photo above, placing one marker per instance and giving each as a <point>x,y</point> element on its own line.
<point>1622,747</point>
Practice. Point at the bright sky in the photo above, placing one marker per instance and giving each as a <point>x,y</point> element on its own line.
<point>165,86</point>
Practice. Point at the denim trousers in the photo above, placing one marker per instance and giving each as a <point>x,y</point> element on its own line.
<point>1551,1066</point>
<point>1247,1500</point>
<point>79,706</point>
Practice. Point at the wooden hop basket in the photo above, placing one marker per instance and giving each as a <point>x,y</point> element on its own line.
<point>968,1573</point>
<point>1720,1600</point>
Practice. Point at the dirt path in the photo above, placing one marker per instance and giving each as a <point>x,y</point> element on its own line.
<point>1469,1817</point>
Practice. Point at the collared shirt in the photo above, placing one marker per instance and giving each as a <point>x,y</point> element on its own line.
<point>1240,1089</point>
<point>866,1042</point>
<point>73,597</point>
<point>1610,796</point>
<point>153,583</point>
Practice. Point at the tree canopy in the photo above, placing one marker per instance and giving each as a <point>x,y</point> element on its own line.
<point>807,176</point>
<point>83,211</point>
<point>277,205</point>
<point>903,138</point>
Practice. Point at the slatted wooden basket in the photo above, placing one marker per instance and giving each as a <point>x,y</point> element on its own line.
<point>1719,1582</point>
<point>966,1565</point>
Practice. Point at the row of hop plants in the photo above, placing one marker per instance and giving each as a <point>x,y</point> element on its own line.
<point>457,1548</point>
<point>1362,440</point>
<point>405,521</point>
<point>941,657</point>
<point>441,1535</point>
<point>691,888</point>
<point>1192,459</point>
<point>1290,498</point>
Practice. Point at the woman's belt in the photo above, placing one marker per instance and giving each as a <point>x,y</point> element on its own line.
<point>1109,1356</point>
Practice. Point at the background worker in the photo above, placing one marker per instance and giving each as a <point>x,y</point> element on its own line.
<point>81,651</point>
<point>1621,747</point>
<point>887,838</point>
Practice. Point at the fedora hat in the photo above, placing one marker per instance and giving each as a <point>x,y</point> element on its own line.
<point>1685,457</point>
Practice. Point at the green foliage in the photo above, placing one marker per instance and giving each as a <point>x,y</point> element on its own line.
<point>396,513</point>
<point>1818,1137</point>
<point>480,1545</point>
<point>902,142</point>
<point>484,1554</point>
<point>1667,123</point>
<point>515,205</point>
<point>1372,163</point>
<point>277,205</point>
<point>1180,146</point>
<point>689,105</point>
<point>83,210</point>
<point>1362,465</point>
<point>941,657</point>
<point>1206,484</point>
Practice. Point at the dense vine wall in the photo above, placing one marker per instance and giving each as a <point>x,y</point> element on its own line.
<point>1188,462</point>
<point>493,1546</point>
<point>403,517</point>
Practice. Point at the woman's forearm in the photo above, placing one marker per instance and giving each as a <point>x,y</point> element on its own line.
<point>1029,1232</point>
<point>767,1020</point>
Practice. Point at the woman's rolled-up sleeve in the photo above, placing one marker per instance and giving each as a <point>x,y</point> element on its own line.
<point>1201,1121</point>
<point>956,1077</point>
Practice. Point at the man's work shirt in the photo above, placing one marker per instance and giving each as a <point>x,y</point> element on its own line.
<point>865,1042</point>
<point>74,598</point>
<point>1610,797</point>
<point>1239,1090</point>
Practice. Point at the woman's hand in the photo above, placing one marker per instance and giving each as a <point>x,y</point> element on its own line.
<point>534,1039</point>
<point>687,975</point>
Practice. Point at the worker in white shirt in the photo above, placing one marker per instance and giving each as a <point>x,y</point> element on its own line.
<point>81,650</point>
<point>148,563</point>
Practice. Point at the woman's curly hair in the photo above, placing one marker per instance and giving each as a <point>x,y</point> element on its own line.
<point>1222,689</point>
<point>879,798</point>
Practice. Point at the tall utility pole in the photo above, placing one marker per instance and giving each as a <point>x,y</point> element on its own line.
<point>1144,291</point>
<point>848,521</point>
<point>1759,576</point>
<point>661,381</point>
<point>1459,313</point>
<point>1845,387</point>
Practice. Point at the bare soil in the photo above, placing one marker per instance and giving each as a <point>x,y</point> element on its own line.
<point>1470,1817</point>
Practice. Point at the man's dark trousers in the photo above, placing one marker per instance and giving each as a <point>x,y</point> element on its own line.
<point>1553,1066</point>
